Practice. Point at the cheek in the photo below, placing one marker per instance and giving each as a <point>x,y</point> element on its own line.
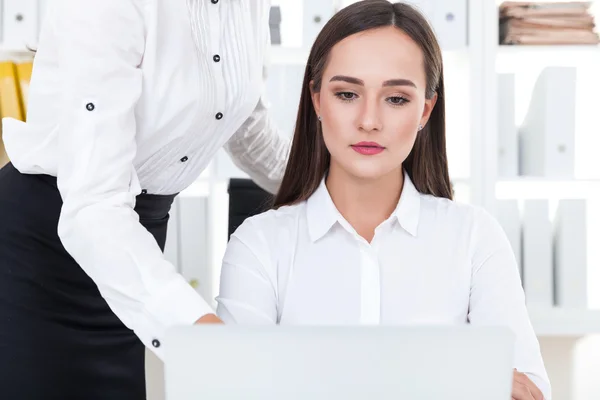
<point>331,108</point>
<point>336,121</point>
<point>404,118</point>
<point>404,140</point>
<point>403,126</point>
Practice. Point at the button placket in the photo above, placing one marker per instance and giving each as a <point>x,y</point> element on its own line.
<point>370,283</point>
<point>217,71</point>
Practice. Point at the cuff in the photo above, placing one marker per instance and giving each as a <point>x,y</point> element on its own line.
<point>177,304</point>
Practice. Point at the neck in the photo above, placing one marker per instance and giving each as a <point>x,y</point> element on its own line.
<point>364,203</point>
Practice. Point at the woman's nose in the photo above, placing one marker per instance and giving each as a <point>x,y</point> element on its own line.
<point>369,119</point>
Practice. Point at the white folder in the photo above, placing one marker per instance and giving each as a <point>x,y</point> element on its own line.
<point>449,20</point>
<point>508,156</point>
<point>508,215</point>
<point>547,136</point>
<point>570,254</point>
<point>283,89</point>
<point>316,13</point>
<point>538,280</point>
<point>193,245</point>
<point>20,24</point>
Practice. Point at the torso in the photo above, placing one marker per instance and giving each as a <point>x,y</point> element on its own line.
<point>183,88</point>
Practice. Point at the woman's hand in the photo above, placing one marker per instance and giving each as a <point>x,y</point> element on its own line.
<point>524,388</point>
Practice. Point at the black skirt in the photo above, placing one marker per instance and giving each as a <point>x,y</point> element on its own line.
<point>58,337</point>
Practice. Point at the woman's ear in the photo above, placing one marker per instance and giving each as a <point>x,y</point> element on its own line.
<point>316,98</point>
<point>429,105</point>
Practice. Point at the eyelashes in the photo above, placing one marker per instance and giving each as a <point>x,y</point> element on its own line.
<point>395,101</point>
<point>346,96</point>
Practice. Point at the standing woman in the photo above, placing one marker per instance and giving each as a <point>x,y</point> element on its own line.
<point>129,101</point>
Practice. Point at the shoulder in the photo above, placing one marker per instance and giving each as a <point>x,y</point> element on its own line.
<point>467,228</point>
<point>459,220</point>
<point>442,210</point>
<point>271,227</point>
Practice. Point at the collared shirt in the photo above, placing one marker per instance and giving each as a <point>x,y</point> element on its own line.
<point>433,261</point>
<point>138,95</point>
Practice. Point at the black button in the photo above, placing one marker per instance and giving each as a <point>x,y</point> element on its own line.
<point>144,191</point>
<point>90,106</point>
<point>214,1</point>
<point>184,159</point>
<point>219,116</point>
<point>216,58</point>
<point>155,343</point>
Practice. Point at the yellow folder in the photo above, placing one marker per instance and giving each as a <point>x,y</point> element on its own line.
<point>24,70</point>
<point>10,99</point>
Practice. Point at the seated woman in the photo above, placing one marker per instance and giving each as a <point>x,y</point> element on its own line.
<point>364,229</point>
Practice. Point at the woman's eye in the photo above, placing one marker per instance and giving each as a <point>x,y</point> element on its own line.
<point>397,100</point>
<point>346,96</point>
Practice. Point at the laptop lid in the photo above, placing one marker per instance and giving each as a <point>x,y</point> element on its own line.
<point>318,363</point>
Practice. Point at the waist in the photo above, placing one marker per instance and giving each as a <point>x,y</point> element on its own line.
<point>147,206</point>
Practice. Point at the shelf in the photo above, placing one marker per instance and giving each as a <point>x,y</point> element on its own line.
<point>542,188</point>
<point>564,322</point>
<point>15,54</point>
<point>510,57</point>
<point>554,49</point>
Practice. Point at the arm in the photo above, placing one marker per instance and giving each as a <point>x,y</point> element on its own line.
<point>101,46</point>
<point>247,294</point>
<point>497,297</point>
<point>257,148</point>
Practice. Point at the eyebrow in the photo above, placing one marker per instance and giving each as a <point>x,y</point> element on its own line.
<point>360,82</point>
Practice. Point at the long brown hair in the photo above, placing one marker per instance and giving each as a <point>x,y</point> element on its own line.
<point>427,164</point>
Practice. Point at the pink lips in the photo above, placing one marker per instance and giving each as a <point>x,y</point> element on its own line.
<point>368,148</point>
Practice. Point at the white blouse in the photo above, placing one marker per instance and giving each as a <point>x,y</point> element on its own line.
<point>131,96</point>
<point>433,261</point>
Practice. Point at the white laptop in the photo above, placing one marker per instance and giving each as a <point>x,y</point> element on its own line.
<point>346,363</point>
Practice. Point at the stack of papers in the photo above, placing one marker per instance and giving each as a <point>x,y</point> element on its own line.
<point>537,23</point>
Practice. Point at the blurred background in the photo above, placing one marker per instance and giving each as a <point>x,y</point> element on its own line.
<point>523,134</point>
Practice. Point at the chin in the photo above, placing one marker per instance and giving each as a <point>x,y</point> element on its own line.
<point>367,172</point>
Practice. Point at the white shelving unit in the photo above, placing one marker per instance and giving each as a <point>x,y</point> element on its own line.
<point>566,335</point>
<point>559,322</point>
<point>535,188</point>
<point>548,322</point>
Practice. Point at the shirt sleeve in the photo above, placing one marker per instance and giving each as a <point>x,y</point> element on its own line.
<point>257,147</point>
<point>247,293</point>
<point>497,297</point>
<point>100,49</point>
